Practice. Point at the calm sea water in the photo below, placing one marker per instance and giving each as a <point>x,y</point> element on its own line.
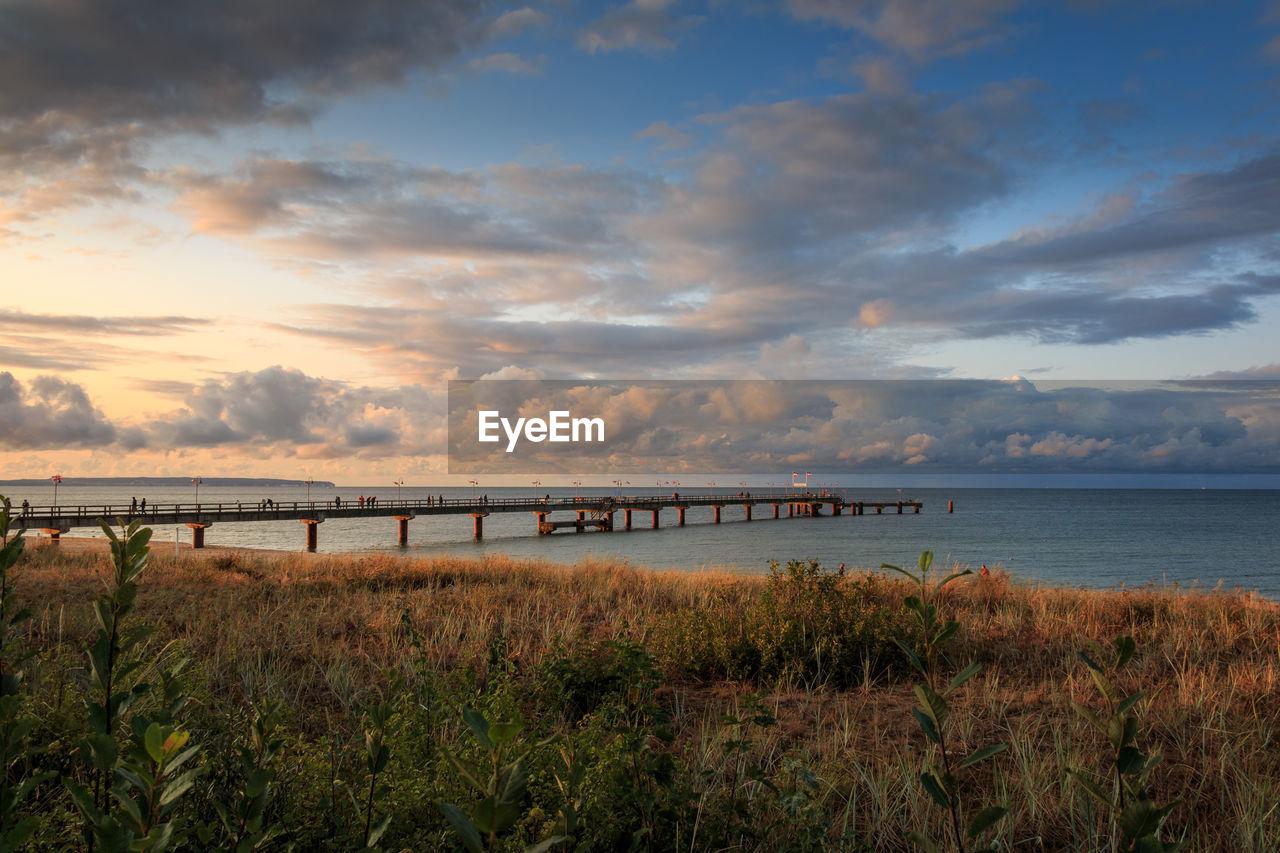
<point>1096,538</point>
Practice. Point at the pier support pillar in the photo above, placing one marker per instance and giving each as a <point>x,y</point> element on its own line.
<point>479,518</point>
<point>582,514</point>
<point>950,507</point>
<point>776,507</point>
<point>626,519</point>
<point>542,523</point>
<point>608,521</point>
<point>717,512</point>
<point>862,508</point>
<point>54,534</point>
<point>791,510</point>
<point>835,509</point>
<point>680,518</point>
<point>312,524</point>
<point>917,508</point>
<point>197,533</point>
<point>899,507</point>
<point>748,512</point>
<point>404,528</point>
<point>655,519</point>
<point>879,509</point>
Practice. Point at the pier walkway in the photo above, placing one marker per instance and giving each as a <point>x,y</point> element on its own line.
<point>595,511</point>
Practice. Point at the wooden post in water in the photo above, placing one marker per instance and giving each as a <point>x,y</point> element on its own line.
<point>717,512</point>
<point>312,524</point>
<point>404,528</point>
<point>655,519</point>
<point>776,508</point>
<point>899,507</point>
<point>197,534</point>
<point>950,507</point>
<point>479,523</point>
<point>749,511</point>
<point>680,510</point>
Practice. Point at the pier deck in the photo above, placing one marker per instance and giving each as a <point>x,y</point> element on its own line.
<point>595,511</point>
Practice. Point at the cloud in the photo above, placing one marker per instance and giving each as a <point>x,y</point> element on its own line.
<point>832,219</point>
<point>515,22</point>
<point>940,427</point>
<point>647,25</point>
<point>285,412</point>
<point>49,412</point>
<point>670,138</point>
<point>922,29</point>
<point>88,84</point>
<point>379,207</point>
<point>26,357</point>
<point>81,324</point>
<point>78,342</point>
<point>511,63</point>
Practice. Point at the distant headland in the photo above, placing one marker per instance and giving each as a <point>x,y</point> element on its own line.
<point>260,482</point>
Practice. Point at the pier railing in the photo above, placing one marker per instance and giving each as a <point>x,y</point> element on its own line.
<point>56,519</point>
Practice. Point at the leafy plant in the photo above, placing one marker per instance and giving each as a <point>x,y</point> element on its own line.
<point>378,727</point>
<point>143,778</point>
<point>1137,816</point>
<point>502,789</point>
<point>16,751</point>
<point>243,821</point>
<point>940,775</point>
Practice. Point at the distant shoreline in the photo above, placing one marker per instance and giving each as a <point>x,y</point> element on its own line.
<point>261,482</point>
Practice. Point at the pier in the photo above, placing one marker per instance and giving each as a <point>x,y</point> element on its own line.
<point>589,512</point>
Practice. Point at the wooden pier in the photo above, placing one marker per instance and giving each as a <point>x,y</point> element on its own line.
<point>590,512</point>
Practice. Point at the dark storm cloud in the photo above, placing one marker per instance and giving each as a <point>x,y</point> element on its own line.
<point>49,412</point>
<point>88,81</point>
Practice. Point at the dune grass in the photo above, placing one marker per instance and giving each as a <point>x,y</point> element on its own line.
<point>712,711</point>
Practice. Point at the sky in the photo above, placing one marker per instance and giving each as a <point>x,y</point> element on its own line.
<point>259,239</point>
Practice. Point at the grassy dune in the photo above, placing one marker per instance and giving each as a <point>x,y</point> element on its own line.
<point>715,711</point>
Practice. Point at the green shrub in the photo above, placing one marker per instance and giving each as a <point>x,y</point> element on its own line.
<point>808,624</point>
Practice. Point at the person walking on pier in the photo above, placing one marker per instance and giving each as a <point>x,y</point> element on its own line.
<point>143,505</point>
<point>26,507</point>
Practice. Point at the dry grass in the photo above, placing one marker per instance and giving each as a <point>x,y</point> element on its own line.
<point>318,630</point>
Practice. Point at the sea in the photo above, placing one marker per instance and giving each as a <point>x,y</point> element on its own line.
<point>1074,537</point>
